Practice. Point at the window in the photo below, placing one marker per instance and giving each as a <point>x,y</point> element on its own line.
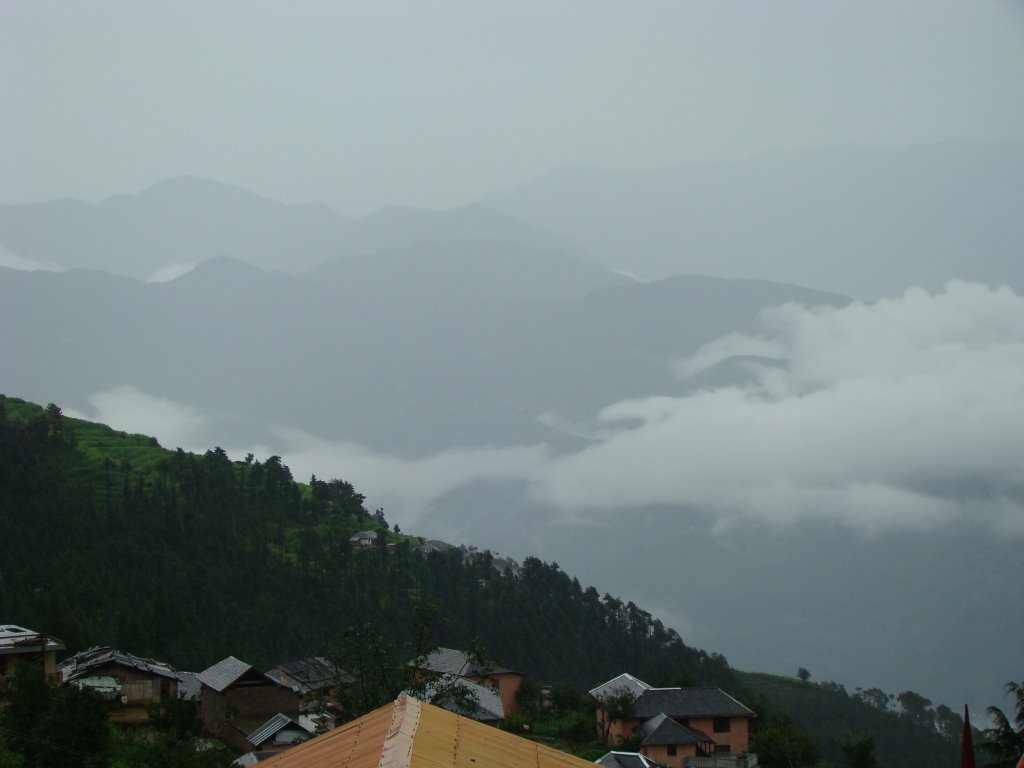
<point>721,724</point>
<point>671,750</point>
<point>723,748</point>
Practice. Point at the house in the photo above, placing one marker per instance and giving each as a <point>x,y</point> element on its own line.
<point>673,724</point>
<point>411,734</point>
<point>431,546</point>
<point>448,661</point>
<point>473,700</point>
<point>237,700</point>
<point>127,680</point>
<point>19,645</point>
<point>279,732</point>
<point>311,678</point>
<point>363,539</point>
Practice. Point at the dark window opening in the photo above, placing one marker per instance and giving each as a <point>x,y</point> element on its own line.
<point>721,724</point>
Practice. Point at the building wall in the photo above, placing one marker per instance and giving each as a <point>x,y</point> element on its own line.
<point>251,702</point>
<point>47,660</point>
<point>738,737</point>
<point>660,754</point>
<point>508,689</point>
<point>139,687</point>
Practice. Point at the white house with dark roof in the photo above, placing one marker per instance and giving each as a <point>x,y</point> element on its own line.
<point>673,724</point>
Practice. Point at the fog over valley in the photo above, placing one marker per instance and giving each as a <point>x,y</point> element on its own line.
<point>718,306</point>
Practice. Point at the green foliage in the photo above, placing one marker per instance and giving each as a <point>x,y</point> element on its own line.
<point>833,719</point>
<point>859,752</point>
<point>781,744</point>
<point>46,727</point>
<point>1004,741</point>
<point>189,558</point>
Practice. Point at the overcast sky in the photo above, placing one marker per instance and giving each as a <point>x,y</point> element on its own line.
<point>364,104</point>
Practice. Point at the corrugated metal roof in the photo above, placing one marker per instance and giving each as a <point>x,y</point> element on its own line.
<point>83,662</point>
<point>17,639</point>
<point>488,706</point>
<point>624,683</point>
<point>627,760</point>
<point>223,673</point>
<point>309,675</point>
<point>410,734</point>
<point>272,726</point>
<point>452,662</point>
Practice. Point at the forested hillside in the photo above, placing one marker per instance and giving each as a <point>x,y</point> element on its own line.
<point>110,539</point>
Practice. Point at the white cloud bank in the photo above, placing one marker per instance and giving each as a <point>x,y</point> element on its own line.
<point>906,413</point>
<point>129,410</point>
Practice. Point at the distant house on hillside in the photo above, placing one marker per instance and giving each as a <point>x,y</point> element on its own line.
<point>19,645</point>
<point>312,677</point>
<point>674,724</point>
<point>627,760</point>
<point>237,701</point>
<point>363,539</point>
<point>506,682</point>
<point>130,681</point>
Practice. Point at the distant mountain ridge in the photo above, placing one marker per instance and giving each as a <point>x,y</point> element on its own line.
<point>863,221</point>
<point>190,219</point>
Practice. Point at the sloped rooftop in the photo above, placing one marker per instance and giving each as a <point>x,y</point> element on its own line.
<point>448,661</point>
<point>17,639</point>
<point>309,675</point>
<point>84,662</point>
<point>624,683</point>
<point>662,729</point>
<point>689,702</point>
<point>224,673</point>
<point>411,734</point>
<point>627,760</point>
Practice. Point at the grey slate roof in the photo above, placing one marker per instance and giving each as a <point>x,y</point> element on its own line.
<point>82,663</point>
<point>17,639</point>
<point>662,729</point>
<point>309,675</point>
<point>627,760</point>
<point>273,725</point>
<point>447,661</point>
<point>689,702</point>
<point>624,683</point>
<point>488,705</point>
<point>223,673</point>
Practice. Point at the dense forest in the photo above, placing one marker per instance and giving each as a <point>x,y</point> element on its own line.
<point>111,539</point>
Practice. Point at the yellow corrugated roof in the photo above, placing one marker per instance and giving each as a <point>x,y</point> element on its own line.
<point>411,734</point>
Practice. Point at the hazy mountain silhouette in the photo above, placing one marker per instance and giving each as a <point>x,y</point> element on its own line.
<point>189,219</point>
<point>864,221</point>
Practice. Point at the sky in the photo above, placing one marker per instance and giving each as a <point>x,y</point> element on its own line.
<point>435,104</point>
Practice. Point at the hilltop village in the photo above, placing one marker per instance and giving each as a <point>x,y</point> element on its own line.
<point>299,705</point>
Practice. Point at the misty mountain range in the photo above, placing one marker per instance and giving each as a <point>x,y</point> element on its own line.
<point>471,366</point>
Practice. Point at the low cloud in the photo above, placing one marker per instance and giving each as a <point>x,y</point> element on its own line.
<point>406,487</point>
<point>903,414</point>
<point>171,272</point>
<point>14,261</point>
<point>127,409</point>
<point>906,413</point>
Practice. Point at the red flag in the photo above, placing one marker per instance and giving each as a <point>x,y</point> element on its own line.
<point>967,744</point>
